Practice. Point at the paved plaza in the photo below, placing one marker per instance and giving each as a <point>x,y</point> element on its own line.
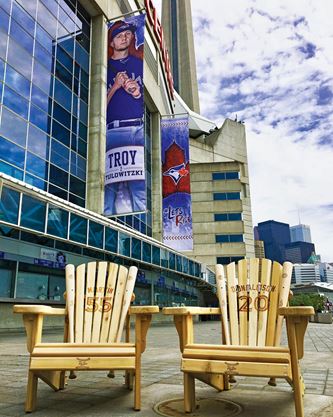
<point>93,394</point>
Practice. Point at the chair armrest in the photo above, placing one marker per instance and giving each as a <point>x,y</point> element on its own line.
<point>143,310</point>
<point>186,311</point>
<point>39,309</point>
<point>296,311</point>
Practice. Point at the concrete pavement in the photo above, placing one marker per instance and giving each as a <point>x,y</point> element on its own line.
<point>93,394</point>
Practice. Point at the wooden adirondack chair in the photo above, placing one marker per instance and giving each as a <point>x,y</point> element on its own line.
<point>98,297</point>
<point>253,297</point>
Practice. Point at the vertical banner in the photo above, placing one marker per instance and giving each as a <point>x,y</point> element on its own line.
<point>176,190</point>
<point>125,186</point>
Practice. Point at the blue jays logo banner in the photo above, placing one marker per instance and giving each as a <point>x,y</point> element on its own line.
<point>176,190</point>
<point>125,185</point>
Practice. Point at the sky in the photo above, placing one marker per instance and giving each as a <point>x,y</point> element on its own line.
<point>270,62</point>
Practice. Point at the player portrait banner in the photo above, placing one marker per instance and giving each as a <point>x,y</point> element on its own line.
<point>176,190</point>
<point>124,183</point>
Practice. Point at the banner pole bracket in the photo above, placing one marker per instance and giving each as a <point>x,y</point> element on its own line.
<point>126,14</point>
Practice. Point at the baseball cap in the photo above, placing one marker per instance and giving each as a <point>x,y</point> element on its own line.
<point>122,28</point>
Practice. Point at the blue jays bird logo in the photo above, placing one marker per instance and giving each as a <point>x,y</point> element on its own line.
<point>176,172</point>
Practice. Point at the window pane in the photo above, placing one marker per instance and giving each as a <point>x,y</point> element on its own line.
<point>62,94</point>
<point>60,114</point>
<point>21,36</point>
<point>33,213</point>
<point>179,263</point>
<point>36,165</point>
<point>17,82</point>
<point>19,58</point>
<point>9,205</point>
<point>57,287</point>
<point>218,176</point>
<point>136,248</point>
<point>220,217</point>
<point>58,177</point>
<point>60,155</point>
<point>64,75</point>
<point>77,187</point>
<point>11,153</point>
<point>233,196</point>
<point>32,285</point>
<point>23,18</point>
<point>43,56</point>
<point>124,244</point>
<point>64,59</point>
<point>164,258</point>
<point>82,57</point>
<point>4,20</point>
<point>58,192</point>
<point>95,234</point>
<point>57,223</point>
<point>61,133</point>
<point>111,240</point>
<point>172,260</point>
<point>10,170</point>
<point>235,216</point>
<point>13,127</point>
<point>232,175</point>
<point>15,102</point>
<point>236,238</point>
<point>42,77</point>
<point>6,275</point>
<point>38,142</point>
<point>2,70</point>
<point>45,40</point>
<point>36,182</point>
<point>40,119</point>
<point>47,20</point>
<point>156,255</point>
<point>222,238</point>
<point>146,252</point>
<point>78,229</point>
<point>41,99</point>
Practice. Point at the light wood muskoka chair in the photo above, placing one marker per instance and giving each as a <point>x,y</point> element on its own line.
<point>253,298</point>
<point>98,296</point>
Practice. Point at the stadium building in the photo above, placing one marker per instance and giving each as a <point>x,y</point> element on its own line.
<point>53,105</point>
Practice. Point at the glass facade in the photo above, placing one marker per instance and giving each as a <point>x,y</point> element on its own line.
<point>227,217</point>
<point>226,196</point>
<point>229,175</point>
<point>44,88</point>
<point>228,238</point>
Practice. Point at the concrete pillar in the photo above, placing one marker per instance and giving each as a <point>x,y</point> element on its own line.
<point>156,177</point>
<point>97,116</point>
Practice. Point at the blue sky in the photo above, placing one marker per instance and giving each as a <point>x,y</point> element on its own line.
<point>271,63</point>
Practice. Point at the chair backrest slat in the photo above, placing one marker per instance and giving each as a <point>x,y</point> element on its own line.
<point>263,300</point>
<point>79,302</point>
<point>273,303</point>
<point>108,302</point>
<point>99,301</point>
<point>242,301</point>
<point>233,307</point>
<point>117,305</point>
<point>98,297</point>
<point>252,291</point>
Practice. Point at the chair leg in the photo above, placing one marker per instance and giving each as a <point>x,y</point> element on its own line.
<point>189,392</point>
<point>62,380</point>
<point>298,394</point>
<point>129,377</point>
<point>137,387</point>
<point>30,403</point>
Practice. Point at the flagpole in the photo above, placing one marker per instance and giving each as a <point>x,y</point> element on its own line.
<point>126,14</point>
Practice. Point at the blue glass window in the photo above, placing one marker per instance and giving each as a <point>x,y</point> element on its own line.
<point>136,248</point>
<point>33,213</point>
<point>228,238</point>
<point>58,192</point>
<point>2,70</point>
<point>41,99</point>
<point>156,255</point>
<point>226,196</point>
<point>15,102</point>
<point>124,244</point>
<point>77,187</point>
<point>4,21</point>
<point>236,238</point>
<point>82,57</point>
<point>179,263</point>
<point>146,252</point>
<point>10,170</point>
<point>68,45</point>
<point>38,142</point>
<point>57,222</point>
<point>78,166</point>
<point>60,114</point>
<point>42,77</point>
<point>11,153</point>
<point>78,229</point>
<point>60,155</point>
<point>13,127</point>
<point>164,258</point>
<point>21,36</point>
<point>58,177</point>
<point>36,165</point>
<point>40,119</point>
<point>5,4</point>
<point>83,131</point>
<point>63,95</point>
<point>17,82</point>
<point>233,196</point>
<point>64,59</point>
<point>83,112</point>
<point>191,267</point>
<point>61,133</point>
<point>23,18</point>
<point>185,265</point>
<point>43,56</point>
<point>9,205</point>
<point>232,175</point>
<point>52,6</point>
<point>19,58</point>
<point>3,44</point>
<point>227,217</point>
<point>111,240</point>
<point>95,234</point>
<point>225,260</point>
<point>47,20</point>
<point>63,75</point>
<point>44,39</point>
<point>172,260</point>
<point>36,182</point>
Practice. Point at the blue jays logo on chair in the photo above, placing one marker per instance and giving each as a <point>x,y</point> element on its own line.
<point>176,172</point>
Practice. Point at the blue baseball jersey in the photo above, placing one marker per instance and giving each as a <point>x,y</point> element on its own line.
<point>124,106</point>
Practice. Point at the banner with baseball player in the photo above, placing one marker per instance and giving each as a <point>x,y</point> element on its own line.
<point>176,190</point>
<point>125,185</point>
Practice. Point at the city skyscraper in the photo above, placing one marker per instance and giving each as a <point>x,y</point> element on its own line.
<point>275,236</point>
<point>300,233</point>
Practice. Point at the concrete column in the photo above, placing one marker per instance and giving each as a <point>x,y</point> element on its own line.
<point>97,116</point>
<point>156,177</point>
